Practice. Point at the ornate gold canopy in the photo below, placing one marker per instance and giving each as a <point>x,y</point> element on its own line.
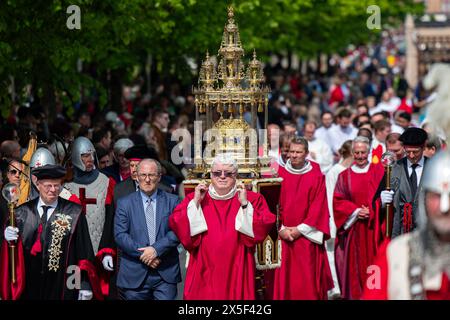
<point>224,94</point>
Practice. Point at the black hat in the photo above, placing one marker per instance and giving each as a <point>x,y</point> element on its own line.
<point>49,171</point>
<point>140,152</point>
<point>413,137</point>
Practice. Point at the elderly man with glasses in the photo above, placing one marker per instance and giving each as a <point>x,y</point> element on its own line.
<point>219,225</point>
<point>149,263</point>
<point>52,238</point>
<point>406,182</point>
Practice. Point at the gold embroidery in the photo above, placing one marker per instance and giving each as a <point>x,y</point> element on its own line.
<point>59,228</point>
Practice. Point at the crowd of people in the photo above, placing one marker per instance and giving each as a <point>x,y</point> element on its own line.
<point>106,193</point>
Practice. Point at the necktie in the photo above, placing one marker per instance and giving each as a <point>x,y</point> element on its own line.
<point>150,219</point>
<point>413,179</point>
<point>44,215</point>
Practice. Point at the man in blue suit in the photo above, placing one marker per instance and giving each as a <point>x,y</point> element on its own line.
<point>149,265</point>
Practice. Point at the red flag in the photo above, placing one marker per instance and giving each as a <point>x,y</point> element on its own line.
<point>376,154</point>
<point>9,290</point>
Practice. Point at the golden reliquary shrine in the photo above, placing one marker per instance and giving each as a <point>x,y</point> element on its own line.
<point>224,94</point>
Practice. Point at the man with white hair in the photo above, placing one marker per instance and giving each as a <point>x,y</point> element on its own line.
<point>416,265</point>
<point>219,225</point>
<point>356,220</point>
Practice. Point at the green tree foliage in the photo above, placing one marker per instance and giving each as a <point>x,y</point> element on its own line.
<point>117,37</point>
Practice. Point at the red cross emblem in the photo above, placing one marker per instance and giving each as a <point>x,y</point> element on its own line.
<point>85,201</point>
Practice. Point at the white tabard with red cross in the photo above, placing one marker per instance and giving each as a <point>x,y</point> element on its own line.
<point>93,198</point>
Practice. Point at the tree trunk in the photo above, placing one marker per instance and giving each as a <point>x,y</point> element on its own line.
<point>319,64</point>
<point>115,87</point>
<point>289,55</point>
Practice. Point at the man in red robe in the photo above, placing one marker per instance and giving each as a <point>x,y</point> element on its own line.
<point>219,226</point>
<point>416,265</point>
<point>355,220</point>
<point>304,272</point>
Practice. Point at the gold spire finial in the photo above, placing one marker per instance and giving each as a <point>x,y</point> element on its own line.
<point>223,96</point>
<point>230,14</point>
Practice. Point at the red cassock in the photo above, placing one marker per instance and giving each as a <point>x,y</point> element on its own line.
<point>304,272</point>
<point>383,265</point>
<point>356,246</point>
<point>221,261</point>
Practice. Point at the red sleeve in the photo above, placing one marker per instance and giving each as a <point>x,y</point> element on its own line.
<point>263,220</point>
<point>378,219</point>
<point>110,193</point>
<point>318,213</point>
<point>89,268</point>
<point>342,206</point>
<point>75,199</point>
<point>179,223</point>
<point>374,290</point>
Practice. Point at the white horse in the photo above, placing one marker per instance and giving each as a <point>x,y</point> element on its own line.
<point>438,114</point>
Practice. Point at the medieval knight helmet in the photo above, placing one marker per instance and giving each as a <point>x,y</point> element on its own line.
<point>82,145</point>
<point>58,150</point>
<point>436,178</point>
<point>41,157</point>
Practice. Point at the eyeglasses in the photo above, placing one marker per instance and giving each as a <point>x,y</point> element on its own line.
<point>47,187</point>
<point>13,172</point>
<point>227,174</point>
<point>151,176</point>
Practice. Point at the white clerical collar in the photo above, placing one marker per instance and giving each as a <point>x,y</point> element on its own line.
<point>281,162</point>
<point>357,169</point>
<point>307,167</point>
<point>213,193</point>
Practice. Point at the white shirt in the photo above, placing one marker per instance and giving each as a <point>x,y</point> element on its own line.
<point>330,183</point>
<point>49,211</point>
<point>391,106</point>
<point>322,152</point>
<point>419,169</point>
<point>338,135</point>
<point>376,143</point>
<point>322,133</point>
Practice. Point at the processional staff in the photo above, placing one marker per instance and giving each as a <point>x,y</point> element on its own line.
<point>11,193</point>
<point>387,160</point>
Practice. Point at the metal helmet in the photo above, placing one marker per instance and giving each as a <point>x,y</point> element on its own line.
<point>436,178</point>
<point>58,150</point>
<point>41,157</point>
<point>82,145</point>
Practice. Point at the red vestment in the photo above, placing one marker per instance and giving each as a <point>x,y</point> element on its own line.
<point>304,272</point>
<point>382,291</point>
<point>221,261</point>
<point>356,246</point>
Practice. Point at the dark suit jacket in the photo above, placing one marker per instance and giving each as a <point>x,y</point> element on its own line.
<point>401,185</point>
<point>123,189</point>
<point>128,186</point>
<point>130,231</point>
